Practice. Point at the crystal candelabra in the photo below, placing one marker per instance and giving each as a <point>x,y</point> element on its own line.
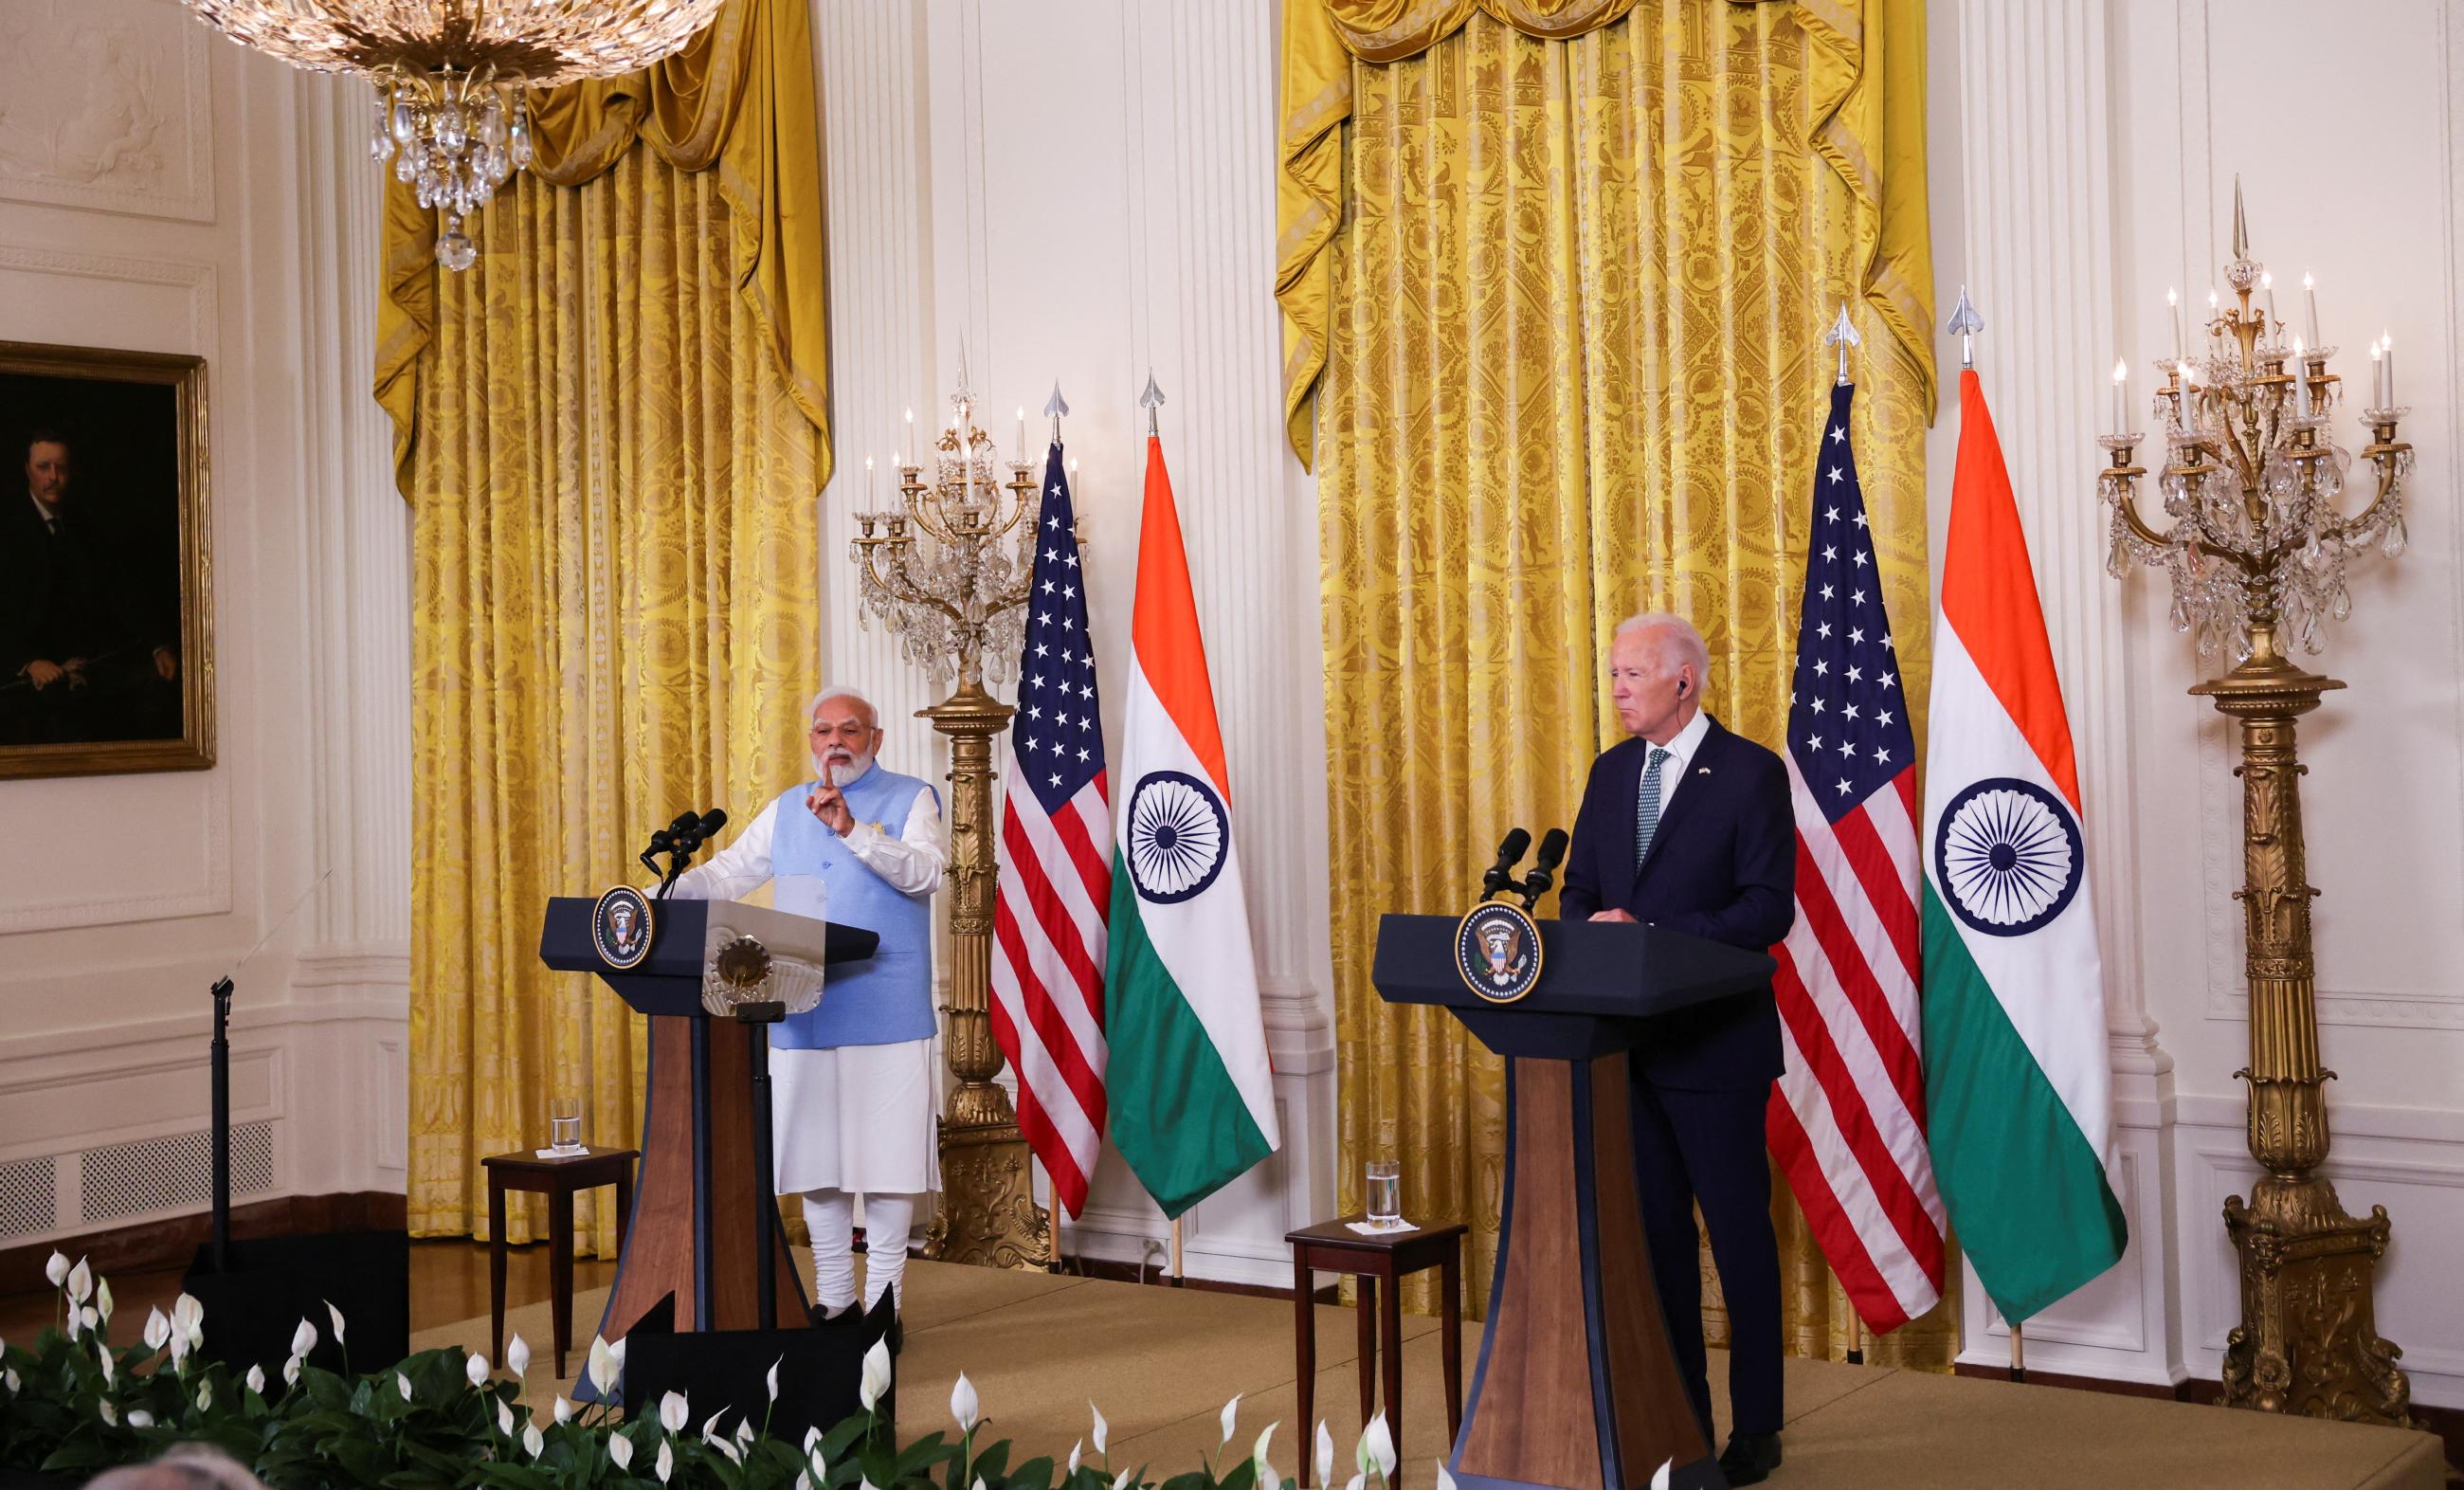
<point>935,570</point>
<point>2257,547</point>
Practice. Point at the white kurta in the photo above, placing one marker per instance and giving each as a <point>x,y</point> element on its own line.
<point>854,1118</point>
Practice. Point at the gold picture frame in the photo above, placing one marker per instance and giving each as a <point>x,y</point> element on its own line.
<point>103,565</point>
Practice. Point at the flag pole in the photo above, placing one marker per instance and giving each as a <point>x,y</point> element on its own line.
<point>1843,336</point>
<point>1965,323</point>
<point>2019,1355</point>
<point>1178,1277</point>
<point>1150,400</point>
<point>1856,1337</point>
<point>1056,406</point>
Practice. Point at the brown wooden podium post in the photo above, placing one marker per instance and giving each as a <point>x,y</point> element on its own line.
<point>1577,1386</point>
<point>692,1235</point>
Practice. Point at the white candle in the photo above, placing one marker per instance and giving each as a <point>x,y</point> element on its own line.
<point>2378,378</point>
<point>2301,383</point>
<point>2213,329</point>
<point>2386,344</point>
<point>868,483</point>
<point>2174,308</point>
<point>2267,283</point>
<point>2120,396</point>
<point>1076,497</point>
<point>1021,437</point>
<point>2310,292</point>
<point>911,438</point>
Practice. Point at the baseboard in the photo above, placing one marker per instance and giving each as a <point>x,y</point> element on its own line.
<point>1119,1271</point>
<point>170,1243</point>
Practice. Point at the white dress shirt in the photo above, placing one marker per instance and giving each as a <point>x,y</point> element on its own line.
<point>1681,749</point>
<point>911,861</point>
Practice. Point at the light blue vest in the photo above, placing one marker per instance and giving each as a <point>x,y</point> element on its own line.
<point>888,999</point>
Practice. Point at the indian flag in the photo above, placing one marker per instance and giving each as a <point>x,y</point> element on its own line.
<point>2017,1083</point>
<point>1191,1091</point>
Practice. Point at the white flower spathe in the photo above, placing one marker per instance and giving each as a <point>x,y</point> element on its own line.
<point>734,1454</point>
<point>533,1442</point>
<point>1446,1480</point>
<point>712,1422</point>
<point>110,1414</point>
<point>518,1357</point>
<point>1103,1429</point>
<point>158,1329</point>
<point>102,1354</point>
<point>1324,1456</point>
<point>303,1339</point>
<point>504,1419</point>
<point>812,1439</point>
<point>1266,1478</point>
<point>745,1431</point>
<point>674,1411</point>
<point>1121,1480</point>
<point>402,1384</point>
<point>1357,1482</point>
<point>93,1316</point>
<point>620,1451</point>
<point>1659,1475</point>
<point>876,1374</point>
<point>206,1394</point>
<point>1375,1454</point>
<point>771,1378</point>
<point>103,1301</point>
<point>963,1405</point>
<point>1231,1414</point>
<point>601,1369</point>
<point>188,1320</point>
<point>821,1466</point>
<point>12,1380</point>
<point>335,1314</point>
<point>56,1269</point>
<point>1076,1451</point>
<point>564,1410</point>
<point>257,1380</point>
<point>475,1368</point>
<point>80,1282</point>
<point>667,1465</point>
<point>139,1417</point>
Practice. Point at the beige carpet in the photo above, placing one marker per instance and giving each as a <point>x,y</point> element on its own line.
<point>1161,1362</point>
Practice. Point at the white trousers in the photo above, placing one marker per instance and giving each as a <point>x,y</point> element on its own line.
<point>830,1215</point>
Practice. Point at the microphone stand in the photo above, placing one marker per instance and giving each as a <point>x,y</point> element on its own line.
<point>221,1066</point>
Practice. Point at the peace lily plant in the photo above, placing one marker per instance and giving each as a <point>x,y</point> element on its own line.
<point>72,1404</point>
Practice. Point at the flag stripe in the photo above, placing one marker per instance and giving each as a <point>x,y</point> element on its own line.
<point>1872,1299</point>
<point>1885,876</point>
<point>1163,626</point>
<point>1849,1108</point>
<point>1989,592</point>
<point>2026,1191</point>
<point>1820,915</point>
<point>1055,1149</point>
<point>1060,1053</point>
<point>1061,968</point>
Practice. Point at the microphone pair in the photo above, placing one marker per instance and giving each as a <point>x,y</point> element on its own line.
<point>679,839</point>
<point>1500,878</point>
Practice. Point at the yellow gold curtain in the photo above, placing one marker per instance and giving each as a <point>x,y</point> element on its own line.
<point>610,435</point>
<point>1574,292</point>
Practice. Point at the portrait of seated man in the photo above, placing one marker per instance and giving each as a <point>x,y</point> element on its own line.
<point>86,653</point>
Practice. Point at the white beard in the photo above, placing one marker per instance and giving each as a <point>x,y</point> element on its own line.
<point>842,772</point>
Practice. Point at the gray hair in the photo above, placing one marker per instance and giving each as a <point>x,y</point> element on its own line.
<point>186,1466</point>
<point>1675,633</point>
<point>842,691</point>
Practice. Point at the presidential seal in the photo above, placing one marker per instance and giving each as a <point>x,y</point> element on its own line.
<point>619,928</point>
<point>1497,952</point>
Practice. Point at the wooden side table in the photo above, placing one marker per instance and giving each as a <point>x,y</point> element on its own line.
<point>1334,1247</point>
<point>558,1179</point>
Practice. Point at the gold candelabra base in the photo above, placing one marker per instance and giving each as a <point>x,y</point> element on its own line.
<point>2308,1341</point>
<point>987,1214</point>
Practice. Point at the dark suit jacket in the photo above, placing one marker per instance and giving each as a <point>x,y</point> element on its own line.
<point>1723,866</point>
<point>58,597</point>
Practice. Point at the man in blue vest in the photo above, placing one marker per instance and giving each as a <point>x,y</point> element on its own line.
<point>854,1087</point>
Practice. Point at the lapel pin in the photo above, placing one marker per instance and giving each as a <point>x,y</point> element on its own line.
<point>1702,770</point>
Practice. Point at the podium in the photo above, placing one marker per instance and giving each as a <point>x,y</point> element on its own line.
<point>691,1235</point>
<point>1577,1386</point>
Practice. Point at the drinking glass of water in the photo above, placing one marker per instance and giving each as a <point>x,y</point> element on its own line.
<point>1385,1192</point>
<point>564,1124</point>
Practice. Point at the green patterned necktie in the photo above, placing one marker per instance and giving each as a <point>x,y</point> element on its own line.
<point>1646,807</point>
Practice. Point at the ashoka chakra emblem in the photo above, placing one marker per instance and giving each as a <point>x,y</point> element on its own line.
<point>1178,837</point>
<point>2007,856</point>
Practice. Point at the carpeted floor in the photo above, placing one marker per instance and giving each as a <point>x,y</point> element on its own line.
<point>1160,1362</point>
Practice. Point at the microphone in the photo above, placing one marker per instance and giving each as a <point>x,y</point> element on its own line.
<point>1501,874</point>
<point>1543,867</point>
<point>664,841</point>
<point>711,823</point>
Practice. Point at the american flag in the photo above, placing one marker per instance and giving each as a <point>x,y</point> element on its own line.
<point>1050,928</point>
<point>1847,1122</point>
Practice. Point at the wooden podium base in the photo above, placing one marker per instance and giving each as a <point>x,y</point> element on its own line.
<point>1577,1387</point>
<point>715,1283</point>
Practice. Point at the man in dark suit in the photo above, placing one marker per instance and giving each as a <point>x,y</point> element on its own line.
<point>1687,826</point>
<point>76,660</point>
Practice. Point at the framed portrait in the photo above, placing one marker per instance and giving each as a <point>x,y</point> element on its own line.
<point>106,599</point>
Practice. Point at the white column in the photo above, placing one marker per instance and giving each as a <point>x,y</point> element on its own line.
<point>2027,110</point>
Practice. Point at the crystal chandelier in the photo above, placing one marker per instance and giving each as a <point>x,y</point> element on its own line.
<point>2258,543</point>
<point>934,568</point>
<point>451,75</point>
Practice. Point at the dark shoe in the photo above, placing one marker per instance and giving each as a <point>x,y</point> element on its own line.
<point>847,1318</point>
<point>885,1308</point>
<point>1750,1457</point>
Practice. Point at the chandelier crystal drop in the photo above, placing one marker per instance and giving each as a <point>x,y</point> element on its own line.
<point>452,114</point>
